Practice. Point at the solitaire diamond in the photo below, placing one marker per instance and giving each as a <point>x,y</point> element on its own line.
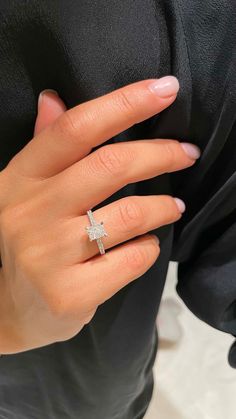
<point>96,231</point>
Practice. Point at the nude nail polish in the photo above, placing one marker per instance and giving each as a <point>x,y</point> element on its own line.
<point>180,204</point>
<point>165,87</point>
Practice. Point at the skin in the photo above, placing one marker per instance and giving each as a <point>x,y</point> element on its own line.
<point>53,278</point>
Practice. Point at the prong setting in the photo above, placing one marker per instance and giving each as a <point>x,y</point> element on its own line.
<point>96,231</point>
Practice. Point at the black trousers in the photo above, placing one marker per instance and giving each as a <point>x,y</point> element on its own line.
<point>84,49</point>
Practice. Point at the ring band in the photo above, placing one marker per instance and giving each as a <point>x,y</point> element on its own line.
<point>96,231</point>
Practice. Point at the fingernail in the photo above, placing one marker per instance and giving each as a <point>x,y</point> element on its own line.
<point>191,150</point>
<point>156,238</point>
<point>46,91</point>
<point>165,87</point>
<point>180,204</point>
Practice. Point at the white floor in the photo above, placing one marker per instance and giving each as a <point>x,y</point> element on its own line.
<point>192,377</point>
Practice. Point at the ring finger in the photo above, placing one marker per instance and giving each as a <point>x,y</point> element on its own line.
<point>123,219</point>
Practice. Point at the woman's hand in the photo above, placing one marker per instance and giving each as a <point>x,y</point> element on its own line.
<point>53,278</point>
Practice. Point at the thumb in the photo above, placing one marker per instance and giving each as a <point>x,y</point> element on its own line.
<point>50,107</point>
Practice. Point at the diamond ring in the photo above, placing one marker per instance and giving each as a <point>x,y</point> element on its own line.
<point>96,231</point>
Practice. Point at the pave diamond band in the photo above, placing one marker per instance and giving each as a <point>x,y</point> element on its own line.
<point>96,231</point>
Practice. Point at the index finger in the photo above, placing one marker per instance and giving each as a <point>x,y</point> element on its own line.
<point>78,130</point>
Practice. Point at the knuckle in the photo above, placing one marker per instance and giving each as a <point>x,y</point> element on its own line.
<point>110,160</point>
<point>28,262</point>
<point>65,123</point>
<point>124,102</point>
<point>56,302</point>
<point>62,301</point>
<point>57,309</point>
<point>73,128</point>
<point>131,214</point>
<point>136,258</point>
<point>170,155</point>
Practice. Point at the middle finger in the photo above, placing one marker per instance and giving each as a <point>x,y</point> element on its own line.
<point>108,169</point>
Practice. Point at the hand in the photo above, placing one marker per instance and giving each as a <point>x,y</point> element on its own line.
<point>53,278</point>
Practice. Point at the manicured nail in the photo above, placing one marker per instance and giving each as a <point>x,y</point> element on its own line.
<point>191,150</point>
<point>46,91</point>
<point>156,238</point>
<point>165,87</point>
<point>180,204</point>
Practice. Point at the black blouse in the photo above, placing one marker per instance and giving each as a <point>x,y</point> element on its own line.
<point>84,49</point>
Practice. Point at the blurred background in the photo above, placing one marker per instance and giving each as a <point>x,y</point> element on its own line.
<point>192,377</point>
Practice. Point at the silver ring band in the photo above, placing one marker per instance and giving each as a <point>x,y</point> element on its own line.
<point>95,231</point>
